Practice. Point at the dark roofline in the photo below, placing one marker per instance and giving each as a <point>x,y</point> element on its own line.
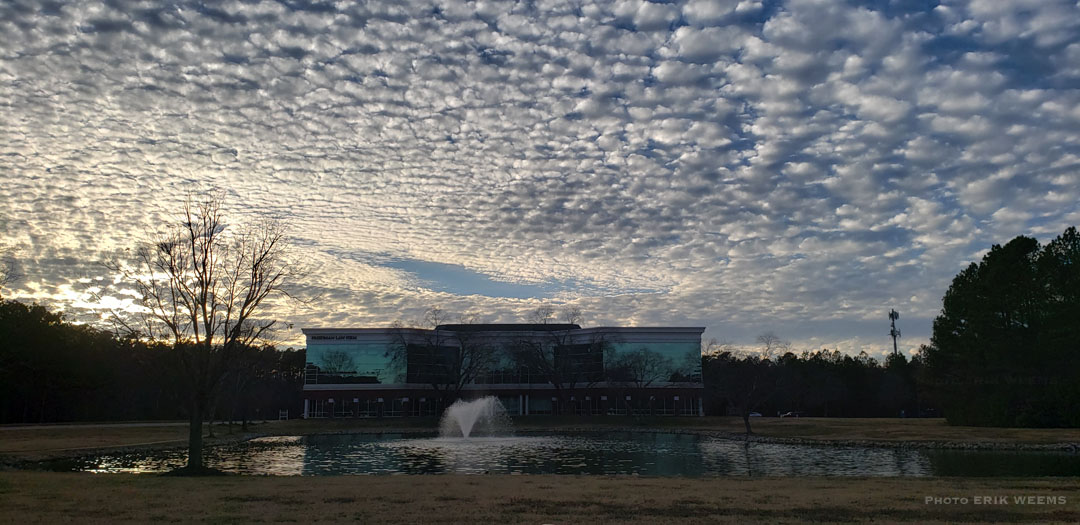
<point>507,327</point>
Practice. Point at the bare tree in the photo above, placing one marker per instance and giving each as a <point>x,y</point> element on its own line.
<point>448,359</point>
<point>337,362</point>
<point>8,274</point>
<point>544,314</point>
<point>203,284</point>
<point>746,378</point>
<point>770,345</point>
<point>643,367</point>
<point>553,351</point>
<point>639,369</point>
<point>572,315</point>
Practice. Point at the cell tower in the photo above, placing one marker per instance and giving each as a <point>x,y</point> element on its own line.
<point>893,316</point>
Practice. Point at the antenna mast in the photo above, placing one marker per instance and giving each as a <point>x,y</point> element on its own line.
<point>893,316</point>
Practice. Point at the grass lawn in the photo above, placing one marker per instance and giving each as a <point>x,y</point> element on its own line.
<point>28,497</point>
<point>46,440</point>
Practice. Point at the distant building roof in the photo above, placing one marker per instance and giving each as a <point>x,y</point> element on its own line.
<point>508,327</point>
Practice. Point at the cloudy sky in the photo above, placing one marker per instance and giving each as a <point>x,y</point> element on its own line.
<point>800,167</point>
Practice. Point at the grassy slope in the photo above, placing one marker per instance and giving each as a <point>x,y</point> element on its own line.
<point>51,497</point>
<point>46,440</point>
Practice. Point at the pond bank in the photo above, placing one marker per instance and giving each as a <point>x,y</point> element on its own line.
<point>35,443</point>
<point>860,432</point>
<point>20,460</point>
<point>905,444</point>
<point>753,438</point>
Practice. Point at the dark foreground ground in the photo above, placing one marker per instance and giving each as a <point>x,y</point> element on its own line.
<point>40,497</point>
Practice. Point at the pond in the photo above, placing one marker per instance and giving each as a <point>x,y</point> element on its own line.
<point>597,453</point>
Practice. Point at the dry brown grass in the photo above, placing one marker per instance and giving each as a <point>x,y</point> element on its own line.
<point>49,440</point>
<point>50,497</point>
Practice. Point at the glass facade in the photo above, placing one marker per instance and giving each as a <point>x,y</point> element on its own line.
<point>672,361</point>
<point>351,363</point>
<point>652,356</point>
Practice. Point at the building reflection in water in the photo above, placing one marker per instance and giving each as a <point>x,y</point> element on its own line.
<point>590,453</point>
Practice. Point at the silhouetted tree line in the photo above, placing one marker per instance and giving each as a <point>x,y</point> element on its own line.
<point>1005,350</point>
<point>54,371</point>
<point>825,383</point>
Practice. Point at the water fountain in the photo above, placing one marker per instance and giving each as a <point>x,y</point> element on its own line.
<point>478,417</point>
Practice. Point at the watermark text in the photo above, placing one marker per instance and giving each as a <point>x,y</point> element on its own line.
<point>997,499</point>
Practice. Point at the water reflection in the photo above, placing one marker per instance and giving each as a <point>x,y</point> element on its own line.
<point>609,453</point>
<point>598,453</point>
<point>733,458</point>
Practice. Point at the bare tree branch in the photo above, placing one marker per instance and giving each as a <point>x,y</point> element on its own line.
<point>203,283</point>
<point>8,274</point>
<point>446,359</point>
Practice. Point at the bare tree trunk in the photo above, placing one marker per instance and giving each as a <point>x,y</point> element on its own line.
<point>44,397</point>
<point>195,438</point>
<point>210,425</point>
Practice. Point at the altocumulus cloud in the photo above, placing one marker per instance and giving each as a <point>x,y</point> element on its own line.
<point>799,166</point>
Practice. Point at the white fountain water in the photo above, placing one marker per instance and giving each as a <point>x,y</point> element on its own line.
<point>478,417</point>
